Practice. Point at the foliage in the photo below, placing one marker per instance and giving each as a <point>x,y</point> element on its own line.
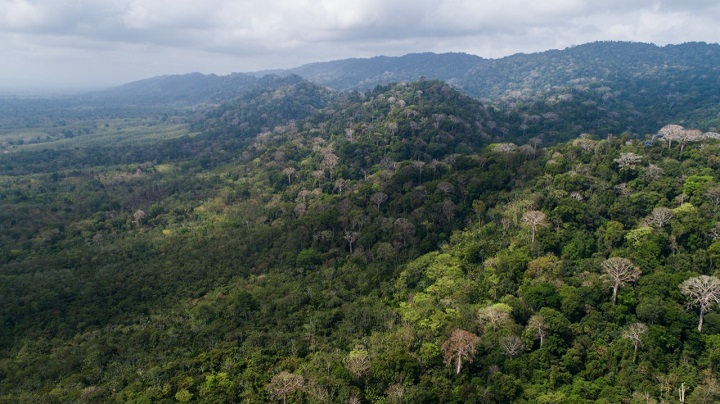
<point>421,249</point>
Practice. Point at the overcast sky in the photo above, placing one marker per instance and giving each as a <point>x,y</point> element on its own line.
<point>100,43</point>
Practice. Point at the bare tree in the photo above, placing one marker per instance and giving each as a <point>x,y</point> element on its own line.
<point>620,271</point>
<point>340,185</point>
<point>378,198</point>
<point>351,237</point>
<point>511,344</point>
<point>304,194</point>
<point>460,346</point>
<point>404,232</point>
<point>689,135</point>
<point>653,173</point>
<point>349,132</point>
<point>445,187</point>
<point>702,291</point>
<point>538,327</point>
<point>357,362</point>
<point>388,164</point>
<point>448,208</point>
<point>714,195</point>
<point>289,171</point>
<point>671,132</point>
<point>504,148</point>
<point>635,332</point>
<point>283,384</point>
<point>317,392</point>
<point>330,161</point>
<point>392,127</point>
<point>139,215</point>
<point>494,317</point>
<point>535,142</point>
<point>437,118</point>
<point>628,160</point>
<point>318,175</point>
<point>419,165</point>
<point>585,142</point>
<point>715,231</point>
<point>395,393</point>
<point>533,219</point>
<point>660,217</point>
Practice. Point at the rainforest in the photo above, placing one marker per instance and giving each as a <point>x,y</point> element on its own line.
<point>540,228</point>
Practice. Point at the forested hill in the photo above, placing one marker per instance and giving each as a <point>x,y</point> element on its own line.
<point>185,90</point>
<point>615,86</point>
<point>623,86</point>
<point>606,87</point>
<point>402,244</point>
<point>361,74</point>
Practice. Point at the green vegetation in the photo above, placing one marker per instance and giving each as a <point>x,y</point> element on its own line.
<point>404,244</point>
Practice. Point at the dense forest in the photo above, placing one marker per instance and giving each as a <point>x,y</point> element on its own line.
<point>405,243</point>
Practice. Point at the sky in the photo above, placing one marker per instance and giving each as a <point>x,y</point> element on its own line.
<point>90,44</point>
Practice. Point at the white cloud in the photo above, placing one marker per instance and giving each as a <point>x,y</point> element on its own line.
<point>149,37</point>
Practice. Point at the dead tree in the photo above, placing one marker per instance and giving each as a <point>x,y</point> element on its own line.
<point>534,219</point>
<point>460,346</point>
<point>378,198</point>
<point>538,327</point>
<point>704,292</point>
<point>620,271</point>
<point>635,332</point>
<point>283,384</point>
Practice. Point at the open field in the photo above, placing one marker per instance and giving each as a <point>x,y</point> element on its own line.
<point>92,133</point>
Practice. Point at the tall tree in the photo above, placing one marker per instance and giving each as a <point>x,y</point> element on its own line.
<point>378,198</point>
<point>704,292</point>
<point>283,384</point>
<point>358,362</point>
<point>511,345</point>
<point>494,317</point>
<point>538,327</point>
<point>534,219</point>
<point>289,171</point>
<point>460,346</point>
<point>620,271</point>
<point>628,160</point>
<point>330,161</point>
<point>659,217</point>
<point>635,332</point>
<point>351,237</point>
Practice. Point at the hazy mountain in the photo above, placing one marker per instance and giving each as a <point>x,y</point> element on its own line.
<point>618,86</point>
<point>186,89</point>
<point>592,65</point>
<point>367,73</point>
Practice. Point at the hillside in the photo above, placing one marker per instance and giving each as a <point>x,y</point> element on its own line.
<point>612,86</point>
<point>187,89</point>
<point>405,243</point>
<point>607,87</point>
<point>346,247</point>
<point>362,74</point>
<point>629,86</point>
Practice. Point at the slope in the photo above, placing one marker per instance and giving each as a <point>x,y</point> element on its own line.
<point>328,246</point>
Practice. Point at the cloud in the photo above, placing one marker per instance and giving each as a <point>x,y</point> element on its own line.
<point>37,35</point>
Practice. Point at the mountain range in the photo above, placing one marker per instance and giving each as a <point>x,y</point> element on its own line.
<point>631,87</point>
